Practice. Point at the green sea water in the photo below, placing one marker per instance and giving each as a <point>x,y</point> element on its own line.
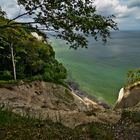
<point>101,70</point>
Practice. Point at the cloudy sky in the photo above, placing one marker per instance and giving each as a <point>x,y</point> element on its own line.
<point>127,12</point>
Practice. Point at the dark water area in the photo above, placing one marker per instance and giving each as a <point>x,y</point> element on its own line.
<point>101,70</point>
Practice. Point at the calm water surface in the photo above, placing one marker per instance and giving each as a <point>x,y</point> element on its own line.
<point>102,70</point>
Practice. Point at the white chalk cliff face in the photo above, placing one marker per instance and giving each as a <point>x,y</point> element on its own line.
<point>121,94</point>
<point>34,34</point>
<point>129,96</point>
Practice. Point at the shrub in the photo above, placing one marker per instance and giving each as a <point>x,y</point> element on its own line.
<point>54,72</point>
<point>8,82</point>
<point>133,76</point>
<point>36,77</point>
<point>98,132</point>
<point>5,75</point>
<point>132,115</point>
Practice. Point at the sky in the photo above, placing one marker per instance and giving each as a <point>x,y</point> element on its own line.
<point>127,12</point>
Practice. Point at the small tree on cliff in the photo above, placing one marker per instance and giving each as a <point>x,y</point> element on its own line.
<point>71,20</point>
<point>11,37</point>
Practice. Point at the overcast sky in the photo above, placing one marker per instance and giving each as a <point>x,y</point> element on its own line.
<point>127,12</point>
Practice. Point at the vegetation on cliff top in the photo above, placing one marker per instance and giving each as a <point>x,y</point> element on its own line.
<point>133,76</point>
<point>22,56</point>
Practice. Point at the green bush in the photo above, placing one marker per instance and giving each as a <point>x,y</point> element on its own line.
<point>132,115</point>
<point>47,76</point>
<point>36,77</point>
<point>5,75</point>
<point>8,82</point>
<point>133,76</point>
<point>100,133</point>
<point>54,72</point>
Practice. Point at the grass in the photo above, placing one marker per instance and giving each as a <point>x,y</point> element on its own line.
<point>96,131</point>
<point>132,115</point>
<point>9,82</point>
<point>16,127</point>
<point>4,83</point>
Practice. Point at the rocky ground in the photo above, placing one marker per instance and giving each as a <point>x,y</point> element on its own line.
<point>89,119</point>
<point>48,100</point>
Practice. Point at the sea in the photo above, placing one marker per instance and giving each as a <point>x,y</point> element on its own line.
<point>101,69</point>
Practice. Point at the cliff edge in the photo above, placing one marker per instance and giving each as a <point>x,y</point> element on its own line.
<point>129,97</point>
<point>53,101</point>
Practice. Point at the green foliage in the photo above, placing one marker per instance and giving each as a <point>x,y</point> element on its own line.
<point>132,115</point>
<point>15,127</point>
<point>5,75</point>
<point>8,82</point>
<point>64,17</point>
<point>54,71</point>
<point>133,76</point>
<point>36,77</point>
<point>98,132</point>
<point>33,58</point>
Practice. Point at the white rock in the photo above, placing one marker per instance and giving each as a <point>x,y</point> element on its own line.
<point>37,36</point>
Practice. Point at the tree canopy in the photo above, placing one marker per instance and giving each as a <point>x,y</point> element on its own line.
<point>71,20</point>
<point>22,56</point>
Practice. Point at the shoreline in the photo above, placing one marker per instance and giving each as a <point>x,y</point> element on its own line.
<point>83,94</point>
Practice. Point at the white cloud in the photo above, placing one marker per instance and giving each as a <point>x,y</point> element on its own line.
<point>109,7</point>
<point>125,11</point>
<point>11,7</point>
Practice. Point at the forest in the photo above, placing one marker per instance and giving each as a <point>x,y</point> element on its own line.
<point>23,56</point>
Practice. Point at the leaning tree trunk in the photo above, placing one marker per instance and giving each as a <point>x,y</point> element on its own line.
<point>13,61</point>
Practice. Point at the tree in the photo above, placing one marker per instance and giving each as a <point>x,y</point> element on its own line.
<point>25,57</point>
<point>10,38</point>
<point>71,20</point>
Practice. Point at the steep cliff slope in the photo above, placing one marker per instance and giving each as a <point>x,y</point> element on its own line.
<point>49,100</point>
<point>65,115</point>
<point>129,97</point>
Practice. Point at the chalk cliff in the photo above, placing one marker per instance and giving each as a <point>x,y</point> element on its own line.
<point>129,97</point>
